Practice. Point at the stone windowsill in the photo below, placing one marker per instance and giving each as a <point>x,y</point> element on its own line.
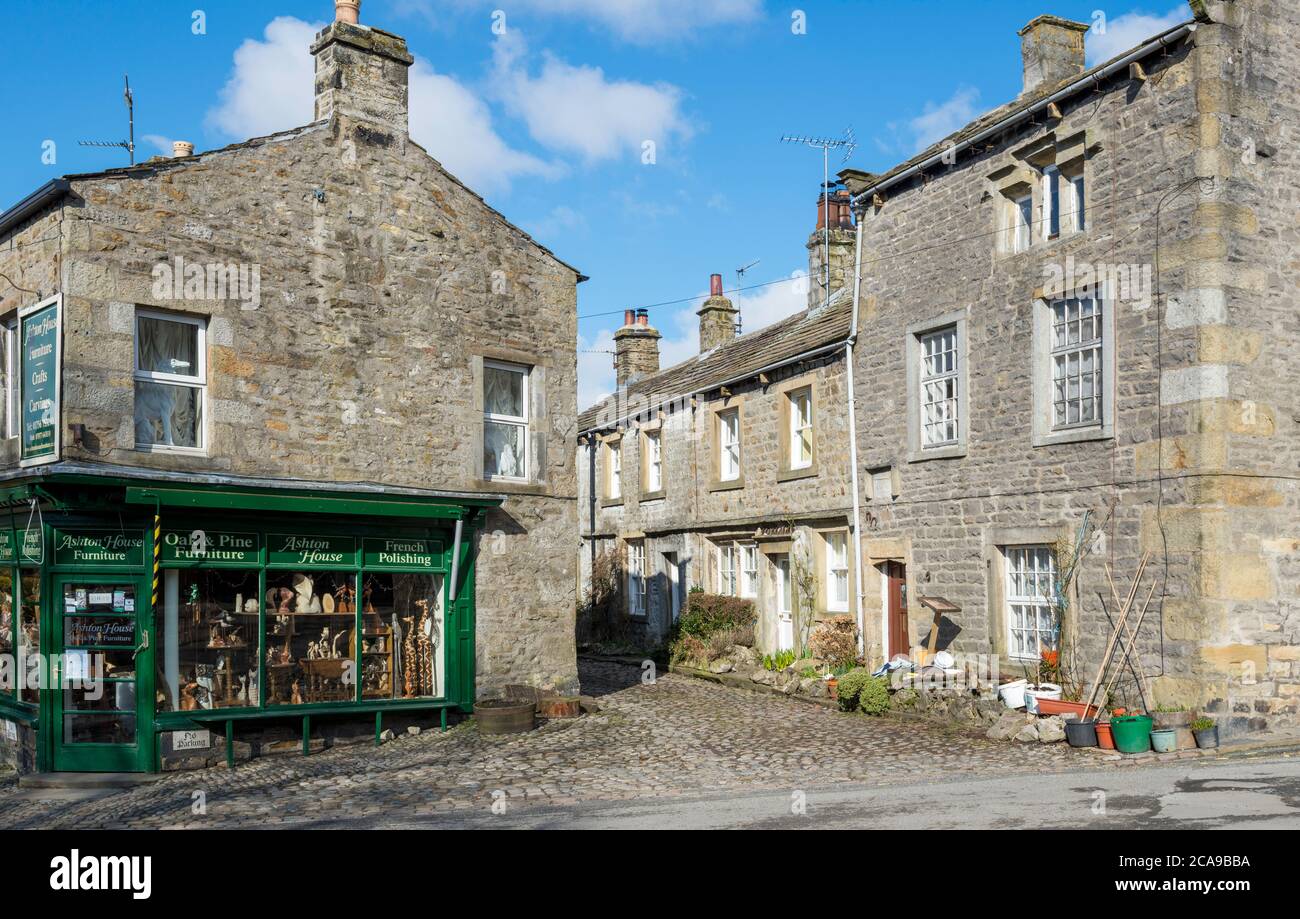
<point>793,475</point>
<point>611,502</point>
<point>731,485</point>
<point>955,451</point>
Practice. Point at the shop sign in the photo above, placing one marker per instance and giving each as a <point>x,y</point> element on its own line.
<point>100,631</point>
<point>311,551</point>
<point>191,740</point>
<point>211,546</point>
<point>38,356</point>
<point>402,553</point>
<point>99,549</point>
<point>33,547</point>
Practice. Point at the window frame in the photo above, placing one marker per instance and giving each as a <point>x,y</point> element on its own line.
<point>1045,430</point>
<point>13,405</point>
<point>747,583</point>
<point>524,421</point>
<point>796,425</point>
<point>1022,222</point>
<point>721,424</point>
<point>1051,205</point>
<point>638,595</point>
<point>197,381</point>
<point>614,471</point>
<point>728,579</point>
<point>1037,601</point>
<point>652,462</point>
<point>917,450</point>
<point>832,570</point>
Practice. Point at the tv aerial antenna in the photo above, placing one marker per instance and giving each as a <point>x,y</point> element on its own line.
<point>848,143</point>
<point>129,144</point>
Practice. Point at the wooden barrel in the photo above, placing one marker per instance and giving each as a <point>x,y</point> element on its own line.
<point>503,716</point>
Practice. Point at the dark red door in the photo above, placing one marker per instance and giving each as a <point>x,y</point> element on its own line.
<point>896,573</point>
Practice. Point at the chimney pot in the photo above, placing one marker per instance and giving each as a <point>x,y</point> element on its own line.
<point>643,318</point>
<point>182,148</point>
<point>1051,49</point>
<point>629,317</point>
<point>715,285</point>
<point>348,11</point>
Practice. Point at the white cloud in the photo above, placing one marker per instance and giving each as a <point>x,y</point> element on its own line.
<point>272,88</point>
<point>681,334</point>
<point>164,144</point>
<point>941,119</point>
<point>1110,37</point>
<point>636,21</point>
<point>561,219</point>
<point>576,109</point>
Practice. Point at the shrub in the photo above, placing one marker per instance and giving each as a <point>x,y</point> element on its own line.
<point>859,690</point>
<point>706,614</point>
<point>689,650</point>
<point>835,640</point>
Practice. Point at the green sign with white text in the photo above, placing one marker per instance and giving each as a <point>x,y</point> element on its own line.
<point>38,355</point>
<point>402,552</point>
<point>311,551</point>
<point>99,549</point>
<point>211,546</point>
<point>32,551</point>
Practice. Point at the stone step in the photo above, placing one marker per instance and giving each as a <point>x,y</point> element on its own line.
<point>85,780</point>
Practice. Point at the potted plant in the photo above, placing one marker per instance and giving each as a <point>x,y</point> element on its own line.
<point>1207,733</point>
<point>1049,668</point>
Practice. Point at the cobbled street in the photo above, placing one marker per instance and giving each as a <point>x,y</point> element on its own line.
<point>677,738</point>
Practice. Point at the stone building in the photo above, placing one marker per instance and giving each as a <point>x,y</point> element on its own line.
<point>729,471</point>
<point>1083,303</point>
<point>321,389</point>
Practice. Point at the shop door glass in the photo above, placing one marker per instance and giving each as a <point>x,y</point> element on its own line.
<point>97,699</point>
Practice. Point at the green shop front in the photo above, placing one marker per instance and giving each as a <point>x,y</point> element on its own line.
<point>147,620</point>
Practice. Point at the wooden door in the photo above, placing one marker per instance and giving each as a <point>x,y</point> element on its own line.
<point>896,594</point>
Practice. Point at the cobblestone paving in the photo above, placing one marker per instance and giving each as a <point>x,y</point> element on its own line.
<point>678,737</point>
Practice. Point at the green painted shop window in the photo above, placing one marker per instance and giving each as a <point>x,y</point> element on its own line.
<point>402,620</point>
<point>310,626</point>
<point>8,625</point>
<point>207,640</point>
<point>29,633</point>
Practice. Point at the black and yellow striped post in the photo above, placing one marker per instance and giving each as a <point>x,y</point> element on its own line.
<point>157,555</point>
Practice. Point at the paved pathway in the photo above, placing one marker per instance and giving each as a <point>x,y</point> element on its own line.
<point>678,737</point>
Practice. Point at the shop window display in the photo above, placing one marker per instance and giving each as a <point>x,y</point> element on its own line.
<point>7,626</point>
<point>29,633</point>
<point>402,636</point>
<point>207,639</point>
<point>310,631</point>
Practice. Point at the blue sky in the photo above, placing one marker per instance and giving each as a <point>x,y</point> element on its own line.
<point>545,107</point>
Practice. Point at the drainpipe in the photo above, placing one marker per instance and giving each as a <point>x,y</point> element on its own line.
<point>455,559</point>
<point>853,445</point>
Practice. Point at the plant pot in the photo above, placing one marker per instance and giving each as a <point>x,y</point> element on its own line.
<point>504,716</point>
<point>1104,738</point>
<point>1083,710</point>
<point>1164,741</point>
<point>1132,733</point>
<point>833,686</point>
<point>1207,739</point>
<point>1013,694</point>
<point>1081,733</point>
<point>1037,691</point>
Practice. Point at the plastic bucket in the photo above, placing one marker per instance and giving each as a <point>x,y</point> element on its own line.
<point>1132,733</point>
<point>1081,733</point>
<point>1165,741</point>
<point>1041,691</point>
<point>1013,693</point>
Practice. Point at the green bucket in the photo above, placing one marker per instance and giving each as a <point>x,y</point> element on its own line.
<point>1132,733</point>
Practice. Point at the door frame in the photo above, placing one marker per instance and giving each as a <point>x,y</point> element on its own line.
<point>894,572</point>
<point>95,757</point>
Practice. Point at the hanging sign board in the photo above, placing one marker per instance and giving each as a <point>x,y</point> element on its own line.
<point>31,549</point>
<point>211,546</point>
<point>39,355</point>
<point>99,549</point>
<point>300,551</point>
<point>403,553</point>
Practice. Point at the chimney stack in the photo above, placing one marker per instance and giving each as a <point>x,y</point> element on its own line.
<point>1052,50</point>
<point>636,348</point>
<point>717,317</point>
<point>839,247</point>
<point>182,148</point>
<point>361,74</point>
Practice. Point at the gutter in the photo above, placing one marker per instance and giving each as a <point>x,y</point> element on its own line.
<point>35,202</point>
<point>1163,40</point>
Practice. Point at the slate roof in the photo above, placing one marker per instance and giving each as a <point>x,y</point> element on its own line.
<point>741,357</point>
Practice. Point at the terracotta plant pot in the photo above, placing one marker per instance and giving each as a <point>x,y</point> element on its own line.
<point>833,685</point>
<point>1104,738</point>
<point>1061,707</point>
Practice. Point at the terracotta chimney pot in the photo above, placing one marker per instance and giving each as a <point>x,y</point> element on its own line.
<point>182,148</point>
<point>347,11</point>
